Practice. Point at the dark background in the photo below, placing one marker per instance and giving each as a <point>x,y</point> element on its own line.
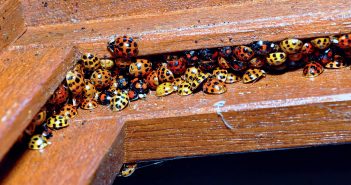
<point>315,165</point>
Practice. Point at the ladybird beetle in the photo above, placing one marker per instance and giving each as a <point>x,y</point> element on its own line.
<point>192,57</point>
<point>220,74</point>
<point>60,95</point>
<point>164,74</point>
<point>307,48</point>
<point>232,78</point>
<point>253,75</point>
<point>184,89</point>
<point>257,62</point>
<point>107,63</point>
<point>208,59</point>
<point>89,90</point>
<point>164,89</point>
<point>264,47</point>
<point>90,62</point>
<point>68,111</point>
<point>223,62</point>
<point>101,78</point>
<point>276,58</point>
<point>191,73</point>
<point>78,68</point>
<point>88,104</point>
<point>119,101</point>
<point>312,70</point>
<point>57,122</point>
<point>123,47</point>
<point>338,62</point>
<point>75,82</point>
<point>214,86</point>
<point>40,117</point>
<point>140,68</point>
<point>176,64</point>
<point>326,56</point>
<point>127,170</point>
<point>105,97</point>
<point>152,80</point>
<point>344,41</point>
<point>238,65</point>
<point>243,53</point>
<point>38,142</point>
<point>226,52</point>
<point>139,85</point>
<point>207,65</point>
<point>198,81</point>
<point>120,82</point>
<point>123,63</point>
<point>321,43</point>
<point>176,83</point>
<point>133,95</point>
<point>295,57</point>
<point>291,46</point>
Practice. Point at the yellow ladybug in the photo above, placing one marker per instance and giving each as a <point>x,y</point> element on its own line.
<point>57,122</point>
<point>38,142</point>
<point>321,43</point>
<point>232,78</point>
<point>164,89</point>
<point>252,75</point>
<point>184,89</point>
<point>107,63</point>
<point>127,170</point>
<point>276,58</point>
<point>119,101</point>
<point>68,111</point>
<point>291,46</point>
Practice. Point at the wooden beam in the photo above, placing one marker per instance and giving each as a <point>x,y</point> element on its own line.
<point>11,22</point>
<point>28,78</point>
<point>234,24</point>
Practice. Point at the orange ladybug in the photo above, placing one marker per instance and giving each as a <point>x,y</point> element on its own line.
<point>123,47</point>
<point>214,86</point>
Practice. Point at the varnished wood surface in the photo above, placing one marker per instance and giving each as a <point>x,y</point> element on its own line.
<point>28,78</point>
<point>11,22</point>
<point>234,24</point>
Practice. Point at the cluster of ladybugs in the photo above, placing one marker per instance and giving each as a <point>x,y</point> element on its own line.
<point>124,78</point>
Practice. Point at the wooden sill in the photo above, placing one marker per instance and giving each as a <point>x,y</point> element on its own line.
<point>278,112</point>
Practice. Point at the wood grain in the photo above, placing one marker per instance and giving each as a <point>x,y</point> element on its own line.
<point>11,22</point>
<point>202,27</point>
<point>28,78</point>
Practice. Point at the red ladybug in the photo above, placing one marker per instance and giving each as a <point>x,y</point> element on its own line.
<point>123,47</point>
<point>176,64</point>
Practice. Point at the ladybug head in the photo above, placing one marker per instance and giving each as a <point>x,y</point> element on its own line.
<point>111,45</point>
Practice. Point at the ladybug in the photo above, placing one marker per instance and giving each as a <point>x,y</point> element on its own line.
<point>312,70</point>
<point>38,142</point>
<point>90,62</point>
<point>133,95</point>
<point>88,104</point>
<point>295,57</point>
<point>214,86</point>
<point>176,64</point>
<point>191,73</point>
<point>140,68</point>
<point>291,46</point>
<point>107,63</point>
<point>257,62</point>
<point>208,59</point>
<point>238,65</point>
<point>120,82</point>
<point>177,82</point>
<point>307,48</point>
<point>198,81</point>
<point>89,90</point>
<point>164,89</point>
<point>101,78</point>
<point>139,86</point>
<point>243,53</point>
<point>276,58</point>
<point>124,47</point>
<point>184,89</point>
<point>105,97</point>
<point>232,78</point>
<point>226,52</point>
<point>75,82</point>
<point>119,101</point>
<point>321,43</point>
<point>344,41</point>
<point>60,95</point>
<point>192,57</point>
<point>40,117</point>
<point>57,122</point>
<point>264,47</point>
<point>127,170</point>
<point>223,62</point>
<point>152,80</point>
<point>164,74</point>
<point>207,65</point>
<point>123,63</point>
<point>326,56</point>
<point>338,62</point>
<point>253,75</point>
<point>220,74</point>
<point>78,68</point>
<point>68,111</point>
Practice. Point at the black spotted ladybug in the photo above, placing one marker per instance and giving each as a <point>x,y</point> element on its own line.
<point>123,47</point>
